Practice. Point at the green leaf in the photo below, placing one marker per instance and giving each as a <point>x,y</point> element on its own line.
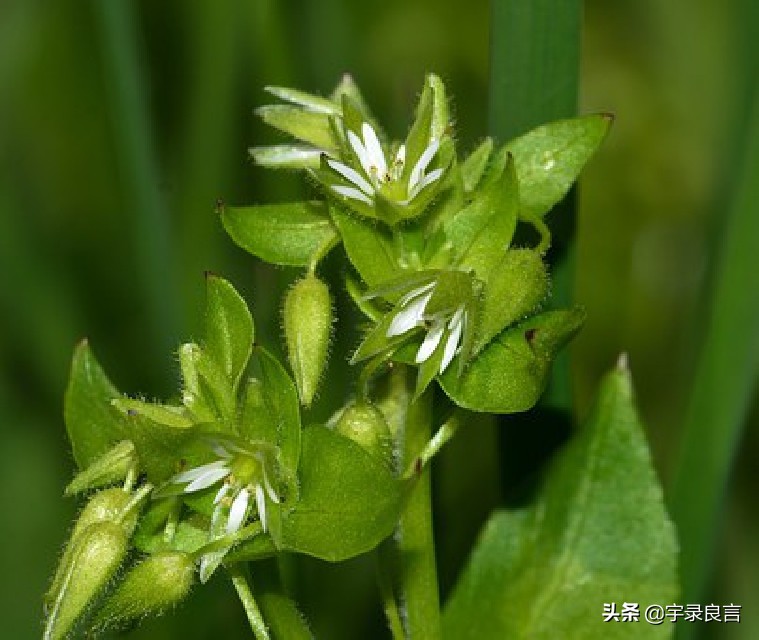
<point>92,423</point>
<point>288,234</point>
<point>509,375</point>
<point>369,247</point>
<point>514,288</point>
<point>309,101</point>
<point>482,231</point>
<point>229,328</point>
<point>349,499</point>
<point>599,533</point>
<point>549,158</point>
<point>308,126</point>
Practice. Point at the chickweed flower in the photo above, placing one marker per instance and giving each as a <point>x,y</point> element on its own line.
<point>442,328</point>
<point>242,475</point>
<point>377,174</point>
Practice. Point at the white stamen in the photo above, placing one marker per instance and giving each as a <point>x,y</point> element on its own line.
<point>352,176</point>
<point>206,480</point>
<point>261,506</point>
<point>237,511</point>
<point>431,342</point>
<point>351,192</point>
<point>196,472</point>
<point>421,164</point>
<point>374,150</point>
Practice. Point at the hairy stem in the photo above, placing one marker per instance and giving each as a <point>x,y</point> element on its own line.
<point>416,545</point>
<point>256,620</point>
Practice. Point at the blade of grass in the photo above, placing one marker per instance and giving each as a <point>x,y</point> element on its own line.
<point>133,138</point>
<point>724,380</point>
<point>534,74</point>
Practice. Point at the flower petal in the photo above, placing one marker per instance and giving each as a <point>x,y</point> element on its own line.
<point>351,175</point>
<point>221,493</point>
<point>351,192</point>
<point>456,325</point>
<point>360,151</point>
<point>196,472</point>
<point>414,293</point>
<point>427,180</point>
<point>261,506</point>
<point>209,478</point>
<point>431,342</point>
<point>374,150</point>
<point>409,316</point>
<point>237,511</point>
<point>421,164</point>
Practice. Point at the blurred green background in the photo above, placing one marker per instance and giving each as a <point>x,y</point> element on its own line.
<point>122,123</point>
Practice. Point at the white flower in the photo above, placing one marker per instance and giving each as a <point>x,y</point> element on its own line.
<point>243,474</point>
<point>376,171</point>
<point>413,314</point>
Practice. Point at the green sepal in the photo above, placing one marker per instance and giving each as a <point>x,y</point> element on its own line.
<point>309,126</point>
<point>481,232</point>
<point>441,117</point>
<point>515,287</point>
<point>286,156</point>
<point>549,158</point>
<point>473,168</point>
<point>367,306</point>
<point>349,501</point>
<point>308,101</point>
<point>288,234</point>
<point>510,374</point>
<point>198,403</point>
<point>167,415</point>
<point>598,533</point>
<point>110,468</point>
<point>369,247</point>
<point>420,134</point>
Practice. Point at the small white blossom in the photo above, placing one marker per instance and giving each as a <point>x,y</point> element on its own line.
<point>413,314</point>
<point>235,492</point>
<point>376,171</point>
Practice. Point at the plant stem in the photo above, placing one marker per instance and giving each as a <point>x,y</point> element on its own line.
<point>256,620</point>
<point>416,545</point>
<point>384,561</point>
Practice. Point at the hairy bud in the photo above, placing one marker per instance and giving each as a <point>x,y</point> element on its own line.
<point>308,323</point>
<point>364,423</point>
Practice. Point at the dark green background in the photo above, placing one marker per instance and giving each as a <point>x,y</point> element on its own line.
<point>110,171</point>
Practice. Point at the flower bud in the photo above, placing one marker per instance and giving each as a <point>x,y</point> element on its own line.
<point>97,554</point>
<point>105,506</point>
<point>364,423</point>
<point>154,585</point>
<point>308,323</point>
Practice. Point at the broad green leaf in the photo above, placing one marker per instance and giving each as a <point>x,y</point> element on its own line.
<point>515,287</point>
<point>482,231</point>
<point>308,126</point>
<point>549,158</point>
<point>599,533</point>
<point>369,247</point>
<point>288,234</point>
<point>473,167</point>
<point>349,500</point>
<point>92,423</point>
<point>509,375</point>
<point>228,330</point>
